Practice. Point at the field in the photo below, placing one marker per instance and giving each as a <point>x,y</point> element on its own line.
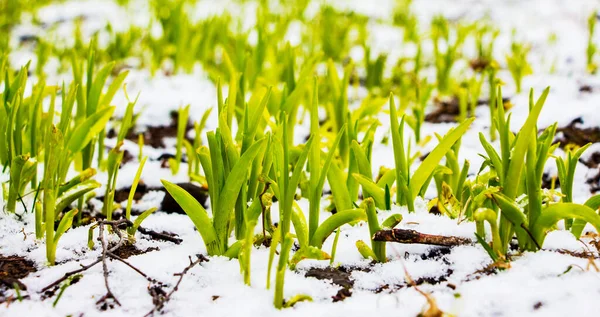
<point>299,158</point>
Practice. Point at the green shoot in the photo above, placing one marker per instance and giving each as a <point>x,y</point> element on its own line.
<point>409,186</point>
<point>517,63</point>
<point>182,122</point>
<point>592,48</point>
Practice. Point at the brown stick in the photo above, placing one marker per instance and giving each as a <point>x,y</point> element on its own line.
<point>412,236</point>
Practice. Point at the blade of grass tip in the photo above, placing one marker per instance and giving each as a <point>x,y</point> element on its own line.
<point>513,174</point>
<point>64,224</point>
<point>430,163</point>
<point>339,190</point>
<point>372,190</point>
<point>134,185</point>
<point>138,221</point>
<point>93,97</point>
<point>86,131</point>
<point>397,144</point>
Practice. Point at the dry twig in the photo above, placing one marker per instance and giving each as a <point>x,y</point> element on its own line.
<point>412,236</point>
<point>106,253</point>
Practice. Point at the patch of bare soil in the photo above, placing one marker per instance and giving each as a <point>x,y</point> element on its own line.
<point>12,270</point>
<point>341,276</point>
<point>574,134</point>
<point>127,250</point>
<point>154,135</point>
<point>447,110</point>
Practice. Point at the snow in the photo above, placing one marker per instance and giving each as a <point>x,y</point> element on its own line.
<point>546,283</point>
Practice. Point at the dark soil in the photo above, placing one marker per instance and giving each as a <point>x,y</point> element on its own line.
<point>168,205</point>
<point>547,181</point>
<point>448,110</point>
<point>153,136</point>
<point>434,280</point>
<point>12,269</point>
<point>593,161</point>
<point>341,276</point>
<point>479,64</point>
<point>573,134</point>
<point>594,183</point>
<point>338,276</point>
<point>431,280</point>
<point>128,250</point>
<point>436,253</point>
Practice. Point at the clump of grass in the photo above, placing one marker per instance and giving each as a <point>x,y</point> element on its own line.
<point>61,144</point>
<point>445,58</point>
<point>522,158</point>
<point>410,185</point>
<point>20,122</point>
<point>517,63</point>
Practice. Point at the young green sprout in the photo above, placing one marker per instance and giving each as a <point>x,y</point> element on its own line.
<point>138,221</point>
<point>412,185</point>
<point>592,48</point>
<point>182,122</point>
<point>522,158</point>
<point>517,63</point>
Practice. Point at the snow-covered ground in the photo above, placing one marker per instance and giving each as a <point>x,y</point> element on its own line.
<point>545,283</point>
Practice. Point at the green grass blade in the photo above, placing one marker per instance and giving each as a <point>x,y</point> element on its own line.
<point>89,129</point>
<point>197,214</point>
<point>431,162</point>
<point>556,212</point>
<point>334,222</point>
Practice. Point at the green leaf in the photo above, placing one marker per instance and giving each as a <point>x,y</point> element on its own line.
<point>517,159</point>
<point>138,221</point>
<point>329,160</point>
<point>113,88</point>
<point>228,196</point>
<point>197,214</point>
<point>339,190</point>
<point>431,162</point>
<point>64,225</point>
<point>334,222</point>
<point>133,188</point>
<point>95,90</point>
<point>372,190</point>
<point>579,224</point>
<point>300,226</point>
<point>556,212</point>
<point>392,221</point>
<point>89,129</point>
<point>365,251</point>
<point>74,193</point>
